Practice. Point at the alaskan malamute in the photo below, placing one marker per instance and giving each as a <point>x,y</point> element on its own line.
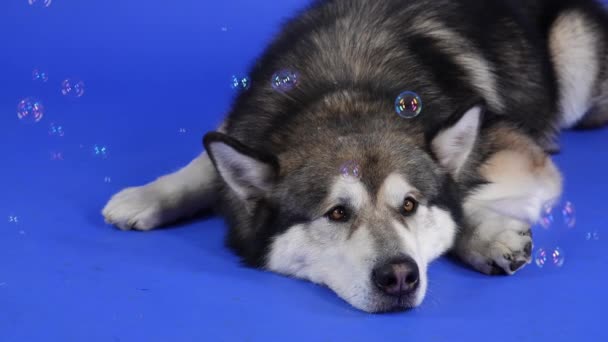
<point>321,179</point>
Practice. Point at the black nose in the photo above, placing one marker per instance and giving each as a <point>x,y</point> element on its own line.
<point>397,277</point>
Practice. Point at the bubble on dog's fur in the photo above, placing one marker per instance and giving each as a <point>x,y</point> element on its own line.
<point>408,105</point>
<point>284,80</point>
<point>30,110</point>
<point>560,214</point>
<point>72,87</point>
<point>240,83</point>
<point>40,76</point>
<point>351,171</point>
<point>549,257</point>
<point>40,3</point>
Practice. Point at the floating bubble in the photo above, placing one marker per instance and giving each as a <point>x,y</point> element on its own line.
<point>56,130</point>
<point>40,76</point>
<point>72,88</point>
<point>408,105</point>
<point>56,156</point>
<point>240,83</point>
<point>558,215</point>
<point>100,151</point>
<point>40,3</point>
<point>592,236</point>
<point>351,171</point>
<point>553,257</point>
<point>569,214</point>
<point>284,80</point>
<point>30,110</point>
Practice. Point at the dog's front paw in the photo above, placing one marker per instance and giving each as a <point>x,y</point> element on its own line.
<point>135,208</point>
<point>505,252</point>
<point>509,252</point>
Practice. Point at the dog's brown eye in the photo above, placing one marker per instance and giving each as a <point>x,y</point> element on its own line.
<point>338,214</point>
<point>410,205</point>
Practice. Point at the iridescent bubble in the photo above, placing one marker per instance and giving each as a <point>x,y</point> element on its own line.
<point>40,76</point>
<point>56,130</point>
<point>351,171</point>
<point>30,110</point>
<point>284,80</point>
<point>549,257</point>
<point>100,151</point>
<point>40,3</point>
<point>56,156</point>
<point>408,105</point>
<point>240,83</point>
<point>558,257</point>
<point>592,235</point>
<point>560,215</point>
<point>72,88</point>
<point>546,217</point>
<point>540,257</point>
<point>569,214</point>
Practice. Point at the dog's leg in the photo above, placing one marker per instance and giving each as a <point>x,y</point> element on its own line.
<point>496,238</point>
<point>165,200</point>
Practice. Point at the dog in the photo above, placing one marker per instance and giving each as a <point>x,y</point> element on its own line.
<point>323,181</point>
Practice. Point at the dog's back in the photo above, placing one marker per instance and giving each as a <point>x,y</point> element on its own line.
<point>519,56</point>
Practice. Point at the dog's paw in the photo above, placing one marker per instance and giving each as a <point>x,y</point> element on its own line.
<point>506,253</point>
<point>138,208</point>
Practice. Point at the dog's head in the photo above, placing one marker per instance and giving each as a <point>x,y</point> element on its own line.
<point>360,210</point>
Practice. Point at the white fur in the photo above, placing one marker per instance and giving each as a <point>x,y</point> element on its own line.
<point>169,198</point>
<point>574,48</point>
<point>454,145</point>
<point>327,253</point>
<point>516,189</point>
<point>466,56</point>
<point>499,214</point>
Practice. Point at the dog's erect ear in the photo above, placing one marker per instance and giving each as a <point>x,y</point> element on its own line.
<point>249,173</point>
<point>454,143</point>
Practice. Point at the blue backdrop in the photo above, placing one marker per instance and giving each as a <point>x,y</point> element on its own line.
<point>156,75</point>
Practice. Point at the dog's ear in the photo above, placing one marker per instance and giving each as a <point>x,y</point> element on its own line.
<point>454,142</point>
<point>249,173</point>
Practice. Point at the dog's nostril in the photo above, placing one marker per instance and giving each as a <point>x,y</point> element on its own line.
<point>397,277</point>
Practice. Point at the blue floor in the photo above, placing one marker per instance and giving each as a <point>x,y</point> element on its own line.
<point>156,77</point>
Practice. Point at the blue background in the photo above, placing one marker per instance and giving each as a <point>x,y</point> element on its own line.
<point>157,77</point>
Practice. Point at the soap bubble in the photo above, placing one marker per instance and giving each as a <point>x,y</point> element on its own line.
<point>56,130</point>
<point>40,3</point>
<point>592,235</point>
<point>100,151</point>
<point>552,257</point>
<point>240,83</point>
<point>72,88</point>
<point>554,215</point>
<point>351,171</point>
<point>408,105</point>
<point>284,80</point>
<point>56,156</point>
<point>30,110</point>
<point>40,76</point>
